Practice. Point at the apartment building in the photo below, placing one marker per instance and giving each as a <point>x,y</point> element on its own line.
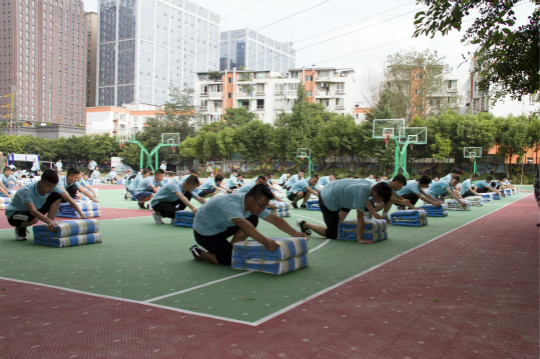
<point>247,49</point>
<point>43,61</point>
<point>268,93</point>
<point>91,57</point>
<point>122,122</point>
<point>145,47</point>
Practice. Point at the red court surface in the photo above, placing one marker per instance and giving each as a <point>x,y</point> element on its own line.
<point>472,293</point>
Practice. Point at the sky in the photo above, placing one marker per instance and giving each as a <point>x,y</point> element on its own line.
<point>358,34</point>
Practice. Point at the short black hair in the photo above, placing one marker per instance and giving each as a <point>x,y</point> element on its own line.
<point>50,176</point>
<point>192,180</point>
<point>145,171</point>
<point>72,171</point>
<point>488,179</point>
<point>159,172</point>
<point>400,178</point>
<point>261,178</point>
<point>425,179</point>
<point>314,176</point>
<point>457,178</point>
<point>456,170</point>
<point>218,178</point>
<point>7,168</point>
<point>383,190</point>
<point>259,191</point>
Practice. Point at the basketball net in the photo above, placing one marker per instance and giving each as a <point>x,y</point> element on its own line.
<point>173,149</point>
<point>472,158</point>
<point>122,143</point>
<point>301,158</point>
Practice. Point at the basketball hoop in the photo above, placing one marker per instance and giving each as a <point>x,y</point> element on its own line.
<point>301,158</point>
<point>173,149</point>
<point>386,138</point>
<point>472,158</point>
<point>122,143</point>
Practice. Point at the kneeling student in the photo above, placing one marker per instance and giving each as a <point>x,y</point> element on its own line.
<point>342,196</point>
<point>33,200</point>
<point>174,197</point>
<point>237,216</point>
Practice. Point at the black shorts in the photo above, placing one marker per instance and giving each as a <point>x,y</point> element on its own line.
<point>219,245</point>
<point>20,217</point>
<point>331,219</point>
<point>168,209</point>
<point>206,192</point>
<point>291,196</point>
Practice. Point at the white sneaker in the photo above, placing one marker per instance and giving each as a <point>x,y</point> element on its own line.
<point>157,218</point>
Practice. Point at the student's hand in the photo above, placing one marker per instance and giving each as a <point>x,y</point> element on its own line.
<point>50,226</point>
<point>96,201</point>
<point>300,235</point>
<point>194,210</point>
<point>438,204</point>
<point>463,204</point>
<point>376,216</point>
<point>271,245</point>
<point>84,217</point>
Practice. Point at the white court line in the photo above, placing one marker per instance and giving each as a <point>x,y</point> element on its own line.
<point>225,278</point>
<point>103,296</point>
<point>326,290</point>
<point>275,314</point>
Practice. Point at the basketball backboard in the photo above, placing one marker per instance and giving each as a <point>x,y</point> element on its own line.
<point>472,152</point>
<point>388,128</point>
<point>171,139</point>
<point>414,135</point>
<point>303,152</point>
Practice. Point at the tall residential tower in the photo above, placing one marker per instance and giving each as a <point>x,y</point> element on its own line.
<point>42,62</point>
<point>147,46</point>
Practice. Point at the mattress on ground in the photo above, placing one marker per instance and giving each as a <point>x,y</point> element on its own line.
<point>272,266</point>
<point>70,241</point>
<point>288,248</point>
<point>374,230</point>
<point>507,192</point>
<point>313,205</point>
<point>281,214</point>
<point>496,196</point>
<point>476,201</point>
<point>66,228</point>
<point>487,197</point>
<point>434,211</point>
<point>90,209</point>
<point>409,214</point>
<point>515,190</point>
<point>183,219</point>
<point>279,206</point>
<point>454,205</point>
<point>3,205</point>
<point>420,222</point>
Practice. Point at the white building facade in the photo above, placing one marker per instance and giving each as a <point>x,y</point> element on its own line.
<point>268,93</point>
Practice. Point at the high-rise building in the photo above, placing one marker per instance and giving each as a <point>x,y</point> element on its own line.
<point>145,47</point>
<point>91,57</point>
<point>246,49</point>
<point>43,62</point>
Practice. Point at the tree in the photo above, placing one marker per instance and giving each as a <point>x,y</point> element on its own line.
<point>412,78</point>
<point>383,109</point>
<point>507,57</point>
<point>235,117</point>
